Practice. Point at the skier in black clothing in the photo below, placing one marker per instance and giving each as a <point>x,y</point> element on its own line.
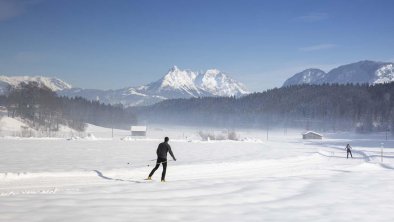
<point>162,158</point>
<point>348,150</point>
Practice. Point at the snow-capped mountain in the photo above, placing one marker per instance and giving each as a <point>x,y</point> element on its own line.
<point>308,76</point>
<point>176,83</point>
<point>360,72</point>
<point>218,83</point>
<point>52,83</point>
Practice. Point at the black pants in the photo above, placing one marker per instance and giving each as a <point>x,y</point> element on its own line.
<point>158,162</point>
<point>347,155</point>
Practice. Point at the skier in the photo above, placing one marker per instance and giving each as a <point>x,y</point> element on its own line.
<point>348,150</point>
<point>162,150</point>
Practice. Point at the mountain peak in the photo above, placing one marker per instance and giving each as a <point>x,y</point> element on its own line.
<point>52,83</point>
<point>212,72</point>
<point>173,68</point>
<point>186,83</point>
<point>365,71</point>
<point>177,78</point>
<point>308,76</point>
<point>218,83</point>
<point>176,83</point>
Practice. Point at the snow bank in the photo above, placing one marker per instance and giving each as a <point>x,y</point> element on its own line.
<point>282,179</point>
<point>10,124</point>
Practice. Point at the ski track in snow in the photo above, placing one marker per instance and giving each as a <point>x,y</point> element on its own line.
<point>277,180</point>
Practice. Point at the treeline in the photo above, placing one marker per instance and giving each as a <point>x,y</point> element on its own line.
<point>322,107</point>
<point>43,109</point>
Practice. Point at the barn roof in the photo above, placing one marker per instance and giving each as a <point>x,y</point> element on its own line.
<point>138,128</point>
<point>311,132</point>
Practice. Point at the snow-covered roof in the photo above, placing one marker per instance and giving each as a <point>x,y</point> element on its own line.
<point>138,128</point>
<point>311,132</point>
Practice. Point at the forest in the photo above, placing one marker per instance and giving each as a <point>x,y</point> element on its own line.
<point>362,108</point>
<point>43,109</point>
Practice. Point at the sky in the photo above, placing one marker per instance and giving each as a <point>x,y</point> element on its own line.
<point>114,44</point>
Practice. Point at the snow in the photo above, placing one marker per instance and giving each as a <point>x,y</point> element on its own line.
<point>133,92</point>
<point>193,84</point>
<point>179,79</point>
<point>176,83</point>
<point>308,76</point>
<point>52,83</point>
<point>360,72</point>
<point>218,83</point>
<point>385,74</point>
<point>139,128</point>
<point>11,128</point>
<point>308,132</point>
<point>10,124</point>
<point>282,179</point>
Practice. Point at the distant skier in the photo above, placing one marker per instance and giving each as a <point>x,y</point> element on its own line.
<point>348,151</point>
<point>162,151</point>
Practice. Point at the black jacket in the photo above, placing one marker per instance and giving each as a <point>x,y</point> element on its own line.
<point>163,149</point>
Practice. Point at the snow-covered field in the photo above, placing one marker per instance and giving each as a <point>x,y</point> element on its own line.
<point>98,178</point>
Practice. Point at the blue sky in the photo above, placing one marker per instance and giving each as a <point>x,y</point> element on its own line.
<point>112,44</point>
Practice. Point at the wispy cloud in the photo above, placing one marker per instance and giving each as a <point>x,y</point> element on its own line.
<point>13,8</point>
<point>317,47</point>
<point>312,17</point>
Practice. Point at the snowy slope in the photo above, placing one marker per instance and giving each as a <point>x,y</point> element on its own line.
<point>360,72</point>
<point>308,76</point>
<point>283,179</point>
<point>10,124</point>
<point>384,74</point>
<point>176,83</point>
<point>218,83</point>
<point>52,83</point>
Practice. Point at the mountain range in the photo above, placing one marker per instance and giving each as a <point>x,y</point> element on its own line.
<point>370,72</point>
<point>54,84</point>
<point>176,83</point>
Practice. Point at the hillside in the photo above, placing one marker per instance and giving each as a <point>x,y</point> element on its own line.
<point>369,72</point>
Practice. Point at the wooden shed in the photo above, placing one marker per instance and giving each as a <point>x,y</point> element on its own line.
<point>138,130</point>
<point>311,135</point>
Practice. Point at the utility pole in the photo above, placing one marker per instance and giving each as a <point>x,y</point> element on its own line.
<point>112,123</point>
<point>381,152</point>
<point>267,132</point>
<point>268,127</point>
<point>285,127</point>
<point>387,132</point>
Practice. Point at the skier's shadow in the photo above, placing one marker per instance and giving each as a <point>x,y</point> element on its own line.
<point>100,174</point>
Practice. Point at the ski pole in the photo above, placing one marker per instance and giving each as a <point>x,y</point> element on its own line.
<point>151,164</point>
<point>148,160</point>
